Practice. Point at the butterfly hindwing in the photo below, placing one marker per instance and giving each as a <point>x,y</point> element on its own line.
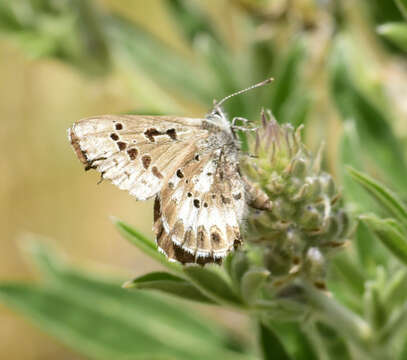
<point>137,153</point>
<point>197,215</point>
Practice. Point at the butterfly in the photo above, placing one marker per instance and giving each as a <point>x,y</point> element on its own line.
<point>190,166</point>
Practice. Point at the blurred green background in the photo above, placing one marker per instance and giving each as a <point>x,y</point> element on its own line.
<point>64,60</point>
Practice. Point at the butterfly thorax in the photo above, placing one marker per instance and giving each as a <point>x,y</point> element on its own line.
<point>221,134</point>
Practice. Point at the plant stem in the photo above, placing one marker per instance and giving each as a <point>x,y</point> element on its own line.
<point>351,326</point>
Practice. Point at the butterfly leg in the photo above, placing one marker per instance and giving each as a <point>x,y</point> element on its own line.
<point>242,128</point>
<point>257,198</point>
<point>238,118</point>
<point>244,122</point>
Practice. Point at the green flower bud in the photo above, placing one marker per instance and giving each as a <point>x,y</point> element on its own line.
<point>306,221</point>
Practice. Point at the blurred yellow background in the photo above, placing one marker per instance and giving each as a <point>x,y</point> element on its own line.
<point>43,187</point>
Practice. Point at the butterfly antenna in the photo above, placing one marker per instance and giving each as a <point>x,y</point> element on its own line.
<point>264,82</point>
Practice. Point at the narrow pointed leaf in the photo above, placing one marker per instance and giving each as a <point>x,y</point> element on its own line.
<point>144,244</point>
<point>168,324</point>
<point>74,324</point>
<point>99,333</point>
<point>287,81</point>
<point>403,353</point>
<point>223,69</point>
<point>212,284</point>
<point>156,316</point>
<point>370,252</point>
<point>294,340</point>
<point>192,20</point>
<point>238,266</point>
<point>402,5</point>
<point>350,273</point>
<point>350,154</point>
<point>389,234</point>
<point>380,145</point>
<point>395,324</point>
<point>252,282</point>
<point>380,193</point>
<point>334,347</point>
<point>396,33</point>
<point>169,284</point>
<point>270,345</point>
<point>146,52</point>
<point>395,293</point>
<point>280,310</point>
<point>374,308</point>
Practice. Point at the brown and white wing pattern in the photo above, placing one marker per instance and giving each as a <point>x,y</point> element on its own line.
<point>197,215</point>
<point>137,153</point>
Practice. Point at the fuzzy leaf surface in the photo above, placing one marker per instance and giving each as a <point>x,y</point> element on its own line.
<point>169,284</point>
<point>210,281</point>
<point>380,193</point>
<point>396,33</point>
<point>389,233</point>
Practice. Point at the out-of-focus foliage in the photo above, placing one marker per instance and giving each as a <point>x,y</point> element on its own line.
<point>340,69</point>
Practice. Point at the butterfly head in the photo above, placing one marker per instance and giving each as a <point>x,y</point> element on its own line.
<point>218,116</point>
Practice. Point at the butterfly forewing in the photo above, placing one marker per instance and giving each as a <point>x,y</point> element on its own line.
<point>138,153</point>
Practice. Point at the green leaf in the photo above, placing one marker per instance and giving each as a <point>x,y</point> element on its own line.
<point>403,353</point>
<point>388,232</point>
<point>74,324</point>
<point>396,33</point>
<point>97,332</point>
<point>164,328</point>
<point>252,282</point>
<point>280,309</point>
<point>350,154</point>
<point>334,347</point>
<point>350,273</point>
<point>380,145</point>
<point>270,345</point>
<point>374,308</point>
<point>72,32</point>
<point>210,281</point>
<point>169,284</point>
<point>294,340</point>
<point>222,67</point>
<point>395,325</point>
<point>88,288</point>
<point>380,193</point>
<point>192,20</point>
<point>402,5</point>
<point>137,47</point>
<point>370,252</point>
<point>239,264</point>
<point>145,245</point>
<point>296,110</point>
<point>394,294</point>
<point>286,83</point>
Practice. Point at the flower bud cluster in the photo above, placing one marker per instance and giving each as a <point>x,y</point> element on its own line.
<point>306,222</point>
